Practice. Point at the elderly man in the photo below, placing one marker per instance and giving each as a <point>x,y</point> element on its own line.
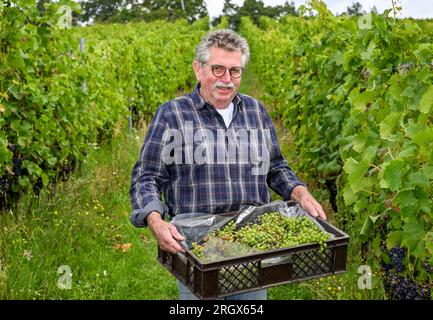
<point>202,151</point>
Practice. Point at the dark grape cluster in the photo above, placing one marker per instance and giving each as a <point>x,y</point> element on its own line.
<point>269,231</point>
<point>18,163</point>
<point>400,287</point>
<point>4,185</point>
<point>428,267</point>
<point>396,256</point>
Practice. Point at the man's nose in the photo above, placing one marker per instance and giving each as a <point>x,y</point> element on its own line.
<point>226,77</point>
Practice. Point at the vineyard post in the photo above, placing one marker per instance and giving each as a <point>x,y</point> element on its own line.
<point>130,114</point>
<point>84,85</point>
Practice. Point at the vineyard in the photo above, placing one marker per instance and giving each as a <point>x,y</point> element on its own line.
<point>358,102</point>
<point>62,90</point>
<point>352,100</point>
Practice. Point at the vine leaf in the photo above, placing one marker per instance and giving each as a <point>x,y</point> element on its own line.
<point>426,101</point>
<point>356,171</point>
<point>392,175</point>
<point>393,238</point>
<point>412,237</point>
<point>388,124</point>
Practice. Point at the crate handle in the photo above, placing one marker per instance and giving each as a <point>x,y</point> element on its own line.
<point>182,257</point>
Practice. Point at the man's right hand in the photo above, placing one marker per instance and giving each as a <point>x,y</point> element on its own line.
<point>165,233</point>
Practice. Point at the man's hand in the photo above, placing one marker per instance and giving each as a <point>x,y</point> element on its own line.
<point>165,233</point>
<point>307,202</point>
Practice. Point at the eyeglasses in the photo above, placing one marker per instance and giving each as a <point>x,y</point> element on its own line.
<point>219,71</point>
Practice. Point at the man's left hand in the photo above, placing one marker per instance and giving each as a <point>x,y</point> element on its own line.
<point>307,202</point>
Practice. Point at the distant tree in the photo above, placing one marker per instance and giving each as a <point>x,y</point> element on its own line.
<point>40,4</point>
<point>231,11</point>
<point>229,8</point>
<point>280,10</point>
<point>99,10</point>
<point>253,9</point>
<point>355,9</point>
<point>147,10</point>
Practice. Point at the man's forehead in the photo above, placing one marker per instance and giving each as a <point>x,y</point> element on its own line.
<point>221,53</point>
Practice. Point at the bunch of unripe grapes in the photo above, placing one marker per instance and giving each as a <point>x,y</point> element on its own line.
<point>269,231</point>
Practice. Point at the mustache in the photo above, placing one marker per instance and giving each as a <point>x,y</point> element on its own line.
<point>230,85</point>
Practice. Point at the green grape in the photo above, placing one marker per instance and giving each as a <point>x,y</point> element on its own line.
<point>270,231</point>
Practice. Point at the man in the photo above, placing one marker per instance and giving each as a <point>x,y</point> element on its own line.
<point>185,157</point>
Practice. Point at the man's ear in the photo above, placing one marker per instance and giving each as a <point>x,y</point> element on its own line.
<point>197,70</point>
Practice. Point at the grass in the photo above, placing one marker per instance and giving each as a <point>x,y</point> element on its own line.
<point>83,224</point>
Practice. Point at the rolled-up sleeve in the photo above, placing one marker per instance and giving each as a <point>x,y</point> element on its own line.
<point>149,174</point>
<point>281,178</point>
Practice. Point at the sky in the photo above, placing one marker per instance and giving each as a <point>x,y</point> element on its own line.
<point>411,8</point>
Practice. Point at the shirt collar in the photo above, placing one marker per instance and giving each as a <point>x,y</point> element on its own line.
<point>199,102</point>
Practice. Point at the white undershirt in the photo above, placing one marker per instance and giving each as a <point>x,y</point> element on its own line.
<point>226,113</point>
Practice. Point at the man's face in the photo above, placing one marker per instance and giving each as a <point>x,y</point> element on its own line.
<point>219,91</point>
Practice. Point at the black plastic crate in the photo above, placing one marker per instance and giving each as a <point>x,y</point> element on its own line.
<point>253,272</point>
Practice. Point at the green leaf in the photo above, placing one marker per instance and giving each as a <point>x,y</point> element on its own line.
<point>388,124</point>
<point>23,181</point>
<point>5,153</point>
<point>408,150</point>
<point>393,238</point>
<point>32,168</point>
<point>392,175</point>
<point>369,154</point>
<point>374,218</point>
<point>28,3</point>
<point>369,52</point>
<point>44,178</point>
<point>412,236</point>
<point>425,202</point>
<point>407,199</point>
<point>359,142</point>
<point>367,137</point>
<point>427,170</point>
<point>424,137</point>
<point>360,101</point>
<point>356,172</point>
<point>426,101</point>
<point>418,179</point>
<point>350,197</point>
<point>429,242</point>
<point>366,227</point>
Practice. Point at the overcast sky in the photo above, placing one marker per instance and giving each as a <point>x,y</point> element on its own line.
<point>411,8</point>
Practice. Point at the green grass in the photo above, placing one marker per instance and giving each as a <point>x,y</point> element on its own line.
<point>82,224</point>
<point>84,221</point>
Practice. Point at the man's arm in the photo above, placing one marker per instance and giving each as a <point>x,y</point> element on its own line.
<point>149,174</point>
<point>148,177</point>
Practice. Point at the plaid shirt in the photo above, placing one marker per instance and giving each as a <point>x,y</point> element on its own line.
<point>212,187</point>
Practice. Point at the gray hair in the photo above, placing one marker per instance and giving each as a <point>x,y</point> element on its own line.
<point>225,39</point>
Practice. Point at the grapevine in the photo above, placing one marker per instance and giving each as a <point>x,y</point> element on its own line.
<point>360,113</point>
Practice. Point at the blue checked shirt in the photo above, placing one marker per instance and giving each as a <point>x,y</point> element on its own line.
<point>190,184</point>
